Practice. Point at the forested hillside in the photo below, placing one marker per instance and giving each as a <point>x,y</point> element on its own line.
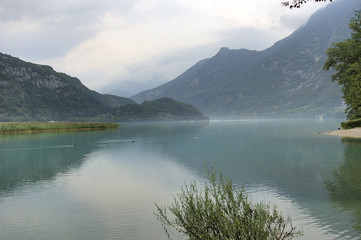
<point>30,92</point>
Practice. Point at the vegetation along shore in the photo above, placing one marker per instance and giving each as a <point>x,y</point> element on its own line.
<point>29,127</point>
<point>349,129</point>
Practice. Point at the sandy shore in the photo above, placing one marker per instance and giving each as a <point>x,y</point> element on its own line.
<point>353,133</point>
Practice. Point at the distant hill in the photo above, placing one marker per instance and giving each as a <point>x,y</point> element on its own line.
<point>159,109</point>
<point>31,92</point>
<point>284,80</point>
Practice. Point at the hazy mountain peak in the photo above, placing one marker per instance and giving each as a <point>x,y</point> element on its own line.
<point>286,79</point>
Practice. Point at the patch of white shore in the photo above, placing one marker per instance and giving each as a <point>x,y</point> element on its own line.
<point>353,133</point>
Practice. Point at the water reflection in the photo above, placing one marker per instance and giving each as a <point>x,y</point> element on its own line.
<point>287,162</point>
<point>31,158</point>
<point>105,187</point>
<point>345,185</point>
<point>122,185</point>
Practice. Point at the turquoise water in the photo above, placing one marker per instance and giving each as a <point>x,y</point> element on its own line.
<point>103,184</point>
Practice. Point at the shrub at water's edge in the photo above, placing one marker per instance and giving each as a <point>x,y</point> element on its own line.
<point>14,127</point>
<point>351,124</point>
<point>218,211</point>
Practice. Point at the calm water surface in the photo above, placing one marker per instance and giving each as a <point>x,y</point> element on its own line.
<point>103,185</point>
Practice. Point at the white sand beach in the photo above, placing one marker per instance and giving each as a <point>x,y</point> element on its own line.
<point>354,133</point>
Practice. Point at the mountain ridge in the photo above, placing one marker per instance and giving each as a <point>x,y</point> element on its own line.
<point>285,79</point>
<point>33,92</point>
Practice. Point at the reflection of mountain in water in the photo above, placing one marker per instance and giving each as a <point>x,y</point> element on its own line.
<point>31,158</point>
<point>345,186</point>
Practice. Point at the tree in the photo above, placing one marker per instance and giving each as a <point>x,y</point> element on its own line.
<point>298,3</point>
<point>218,211</point>
<point>345,58</point>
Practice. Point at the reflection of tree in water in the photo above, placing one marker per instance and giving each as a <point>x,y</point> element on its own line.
<point>345,187</point>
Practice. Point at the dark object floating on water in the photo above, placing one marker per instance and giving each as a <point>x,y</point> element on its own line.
<point>74,145</point>
<point>133,140</point>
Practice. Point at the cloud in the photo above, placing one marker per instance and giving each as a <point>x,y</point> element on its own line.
<point>42,29</point>
<point>130,48</point>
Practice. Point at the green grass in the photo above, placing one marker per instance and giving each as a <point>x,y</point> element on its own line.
<point>24,127</point>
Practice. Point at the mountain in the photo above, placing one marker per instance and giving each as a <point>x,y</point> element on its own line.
<point>284,80</point>
<point>30,92</point>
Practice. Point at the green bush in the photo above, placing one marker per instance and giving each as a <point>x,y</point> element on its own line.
<point>218,211</point>
<point>351,124</point>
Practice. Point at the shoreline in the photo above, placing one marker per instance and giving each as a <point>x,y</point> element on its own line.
<point>36,127</point>
<point>349,133</point>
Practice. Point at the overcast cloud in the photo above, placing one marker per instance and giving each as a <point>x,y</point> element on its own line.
<point>134,45</point>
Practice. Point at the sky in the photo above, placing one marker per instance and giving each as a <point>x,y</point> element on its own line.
<point>127,46</point>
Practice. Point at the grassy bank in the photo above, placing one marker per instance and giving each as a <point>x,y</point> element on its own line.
<point>28,127</point>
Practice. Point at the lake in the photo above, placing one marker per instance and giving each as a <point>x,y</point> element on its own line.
<point>103,184</point>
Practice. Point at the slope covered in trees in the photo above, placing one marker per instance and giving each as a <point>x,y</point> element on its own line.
<point>32,92</point>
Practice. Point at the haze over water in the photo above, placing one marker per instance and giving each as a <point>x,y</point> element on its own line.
<point>103,185</point>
